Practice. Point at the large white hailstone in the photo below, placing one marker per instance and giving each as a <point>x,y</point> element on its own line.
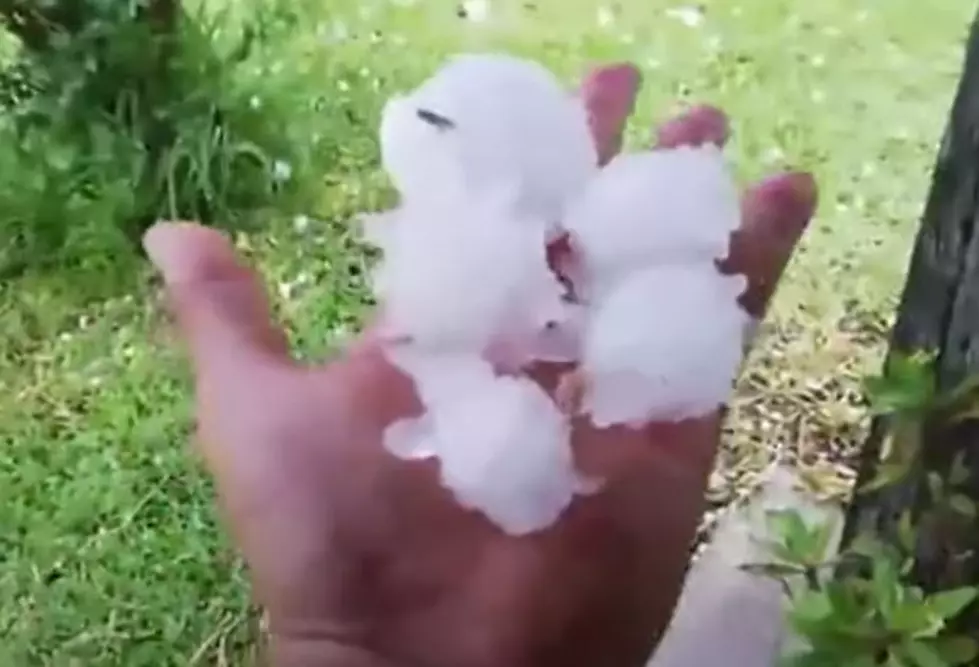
<point>664,344</point>
<point>665,206</point>
<point>492,119</point>
<point>460,272</point>
<point>502,444</point>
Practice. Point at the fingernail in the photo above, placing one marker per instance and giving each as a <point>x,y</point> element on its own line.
<point>792,196</point>
<point>698,126</point>
<point>167,247</point>
<point>620,81</point>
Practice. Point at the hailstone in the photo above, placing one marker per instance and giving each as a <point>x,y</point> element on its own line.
<point>490,119</point>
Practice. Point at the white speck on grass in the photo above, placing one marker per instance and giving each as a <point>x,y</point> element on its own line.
<point>476,11</point>
<point>281,171</point>
<point>688,15</point>
<point>604,17</point>
<point>336,33</point>
<point>773,155</point>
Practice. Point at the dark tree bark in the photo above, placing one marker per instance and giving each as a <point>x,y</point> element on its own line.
<point>939,312</point>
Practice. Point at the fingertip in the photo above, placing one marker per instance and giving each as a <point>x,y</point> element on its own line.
<point>620,79</point>
<point>775,213</point>
<point>699,125</point>
<point>188,252</point>
<point>790,197</point>
<point>609,93</point>
<point>219,303</point>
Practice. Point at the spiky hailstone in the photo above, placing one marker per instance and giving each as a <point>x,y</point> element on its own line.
<point>492,119</point>
<point>502,442</point>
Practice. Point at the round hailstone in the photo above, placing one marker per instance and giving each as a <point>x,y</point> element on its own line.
<point>502,444</point>
<point>657,207</point>
<point>495,119</point>
<point>440,377</point>
<point>664,344</point>
<point>461,273</point>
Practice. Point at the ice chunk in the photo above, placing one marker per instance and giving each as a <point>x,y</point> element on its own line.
<point>665,343</point>
<point>502,445</point>
<point>560,342</point>
<point>462,271</point>
<point>441,377</point>
<point>491,119</point>
<point>664,206</point>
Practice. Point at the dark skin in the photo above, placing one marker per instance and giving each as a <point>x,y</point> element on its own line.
<point>363,559</point>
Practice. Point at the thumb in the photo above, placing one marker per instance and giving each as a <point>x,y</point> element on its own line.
<point>220,305</point>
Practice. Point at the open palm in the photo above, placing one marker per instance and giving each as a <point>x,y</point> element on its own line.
<point>364,559</point>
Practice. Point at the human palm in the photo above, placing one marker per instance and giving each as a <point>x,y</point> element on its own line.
<point>360,558</point>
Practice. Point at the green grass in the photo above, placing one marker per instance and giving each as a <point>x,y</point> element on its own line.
<point>110,550</point>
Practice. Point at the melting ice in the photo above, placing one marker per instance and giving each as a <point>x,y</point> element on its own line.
<point>492,158</point>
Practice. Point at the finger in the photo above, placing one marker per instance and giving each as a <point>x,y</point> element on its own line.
<point>220,305</point>
<point>775,213</point>
<point>609,94</point>
<point>696,127</point>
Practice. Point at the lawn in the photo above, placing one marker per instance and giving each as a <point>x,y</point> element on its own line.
<point>109,550</point>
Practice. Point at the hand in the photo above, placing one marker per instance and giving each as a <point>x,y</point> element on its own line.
<point>363,559</point>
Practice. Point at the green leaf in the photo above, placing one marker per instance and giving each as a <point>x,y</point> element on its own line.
<point>793,540</point>
<point>910,617</point>
<point>907,385</point>
<point>906,531</point>
<point>887,587</point>
<point>964,505</point>
<point>936,485</point>
<point>959,650</point>
<point>866,545</point>
<point>811,606</point>
<point>772,570</point>
<point>951,603</point>
<point>922,654</point>
<point>959,472</point>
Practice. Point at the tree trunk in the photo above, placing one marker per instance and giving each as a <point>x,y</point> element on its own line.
<point>939,312</point>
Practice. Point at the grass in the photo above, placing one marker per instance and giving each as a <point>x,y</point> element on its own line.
<point>109,550</point>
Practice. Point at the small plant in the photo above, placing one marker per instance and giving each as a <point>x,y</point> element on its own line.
<point>907,395</point>
<point>865,614</point>
<point>863,608</point>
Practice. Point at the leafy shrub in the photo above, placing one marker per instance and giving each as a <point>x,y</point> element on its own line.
<point>861,610</point>
<point>123,117</point>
